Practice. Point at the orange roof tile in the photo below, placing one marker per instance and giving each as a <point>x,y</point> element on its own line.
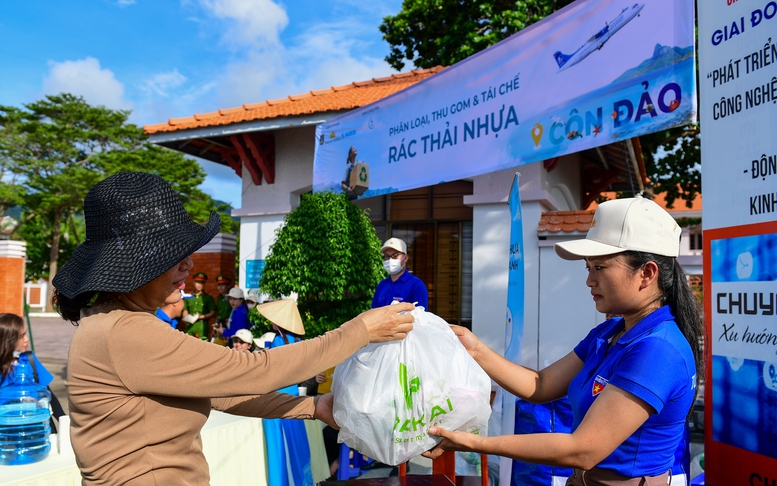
<point>347,97</point>
<point>570,221</point>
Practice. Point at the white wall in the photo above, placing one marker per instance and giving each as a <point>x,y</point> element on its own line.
<point>490,250</point>
<point>264,206</point>
<point>567,311</point>
<point>294,150</point>
<point>257,234</point>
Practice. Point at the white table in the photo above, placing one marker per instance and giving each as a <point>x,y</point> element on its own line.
<point>233,447</point>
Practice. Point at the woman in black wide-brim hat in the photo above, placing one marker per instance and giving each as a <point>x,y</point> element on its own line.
<point>140,391</point>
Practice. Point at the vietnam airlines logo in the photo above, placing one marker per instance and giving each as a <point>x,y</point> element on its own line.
<point>599,384</point>
<point>409,386</point>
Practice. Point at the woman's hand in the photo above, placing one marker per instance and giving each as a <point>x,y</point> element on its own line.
<point>387,324</point>
<point>470,341</point>
<point>323,410</point>
<point>452,441</point>
<point>320,378</point>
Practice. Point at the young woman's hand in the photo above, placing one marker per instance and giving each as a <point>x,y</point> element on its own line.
<point>451,441</point>
<point>468,339</point>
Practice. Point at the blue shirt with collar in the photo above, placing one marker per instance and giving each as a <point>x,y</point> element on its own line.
<point>654,362</point>
<point>407,288</point>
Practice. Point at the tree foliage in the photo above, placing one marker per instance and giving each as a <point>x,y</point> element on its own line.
<point>54,150</point>
<point>443,32</point>
<point>431,33</point>
<point>328,253</point>
<point>673,163</point>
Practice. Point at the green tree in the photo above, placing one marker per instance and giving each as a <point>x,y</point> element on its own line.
<point>673,162</point>
<point>328,253</point>
<point>11,192</point>
<point>58,148</point>
<point>443,32</point>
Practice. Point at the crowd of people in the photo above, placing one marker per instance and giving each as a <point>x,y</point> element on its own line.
<point>141,378</point>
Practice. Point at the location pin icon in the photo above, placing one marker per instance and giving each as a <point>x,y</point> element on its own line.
<point>536,134</point>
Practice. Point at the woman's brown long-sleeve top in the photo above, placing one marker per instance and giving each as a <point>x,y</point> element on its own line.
<point>140,392</point>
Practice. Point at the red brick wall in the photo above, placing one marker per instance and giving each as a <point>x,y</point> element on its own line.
<point>212,264</point>
<point>12,285</point>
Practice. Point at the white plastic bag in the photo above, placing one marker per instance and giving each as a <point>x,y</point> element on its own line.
<point>388,395</point>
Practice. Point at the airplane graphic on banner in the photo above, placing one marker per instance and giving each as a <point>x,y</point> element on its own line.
<point>597,40</point>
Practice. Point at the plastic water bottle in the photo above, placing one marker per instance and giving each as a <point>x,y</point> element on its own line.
<point>24,419</point>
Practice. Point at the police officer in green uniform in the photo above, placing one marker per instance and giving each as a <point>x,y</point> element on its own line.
<point>200,304</point>
<point>222,303</point>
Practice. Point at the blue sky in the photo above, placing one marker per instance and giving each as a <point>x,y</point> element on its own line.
<point>173,58</point>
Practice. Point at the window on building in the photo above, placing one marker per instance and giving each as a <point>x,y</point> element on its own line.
<point>695,238</point>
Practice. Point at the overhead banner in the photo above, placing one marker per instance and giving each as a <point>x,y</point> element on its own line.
<point>593,73</point>
<point>738,93</point>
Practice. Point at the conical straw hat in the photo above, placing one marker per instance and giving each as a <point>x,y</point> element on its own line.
<point>284,314</point>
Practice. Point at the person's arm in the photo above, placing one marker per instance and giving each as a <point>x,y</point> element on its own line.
<point>280,405</point>
<point>544,386</point>
<point>270,405</point>
<point>152,359</point>
<point>614,416</point>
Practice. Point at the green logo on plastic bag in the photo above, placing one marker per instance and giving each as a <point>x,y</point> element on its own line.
<point>408,387</point>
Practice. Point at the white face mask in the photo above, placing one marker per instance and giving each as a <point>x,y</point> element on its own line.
<point>392,266</point>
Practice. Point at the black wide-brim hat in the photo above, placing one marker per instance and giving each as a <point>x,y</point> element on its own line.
<point>136,230</point>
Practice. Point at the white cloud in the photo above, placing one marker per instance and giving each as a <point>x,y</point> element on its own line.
<point>326,55</point>
<point>162,83</point>
<point>124,3</point>
<point>86,78</point>
<point>260,65</point>
<point>249,21</point>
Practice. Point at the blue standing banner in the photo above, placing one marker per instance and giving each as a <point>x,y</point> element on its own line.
<point>515,312</point>
<point>593,73</point>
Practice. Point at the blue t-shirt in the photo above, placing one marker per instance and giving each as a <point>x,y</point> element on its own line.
<point>237,320</point>
<point>654,362</point>
<point>44,377</point>
<point>407,288</point>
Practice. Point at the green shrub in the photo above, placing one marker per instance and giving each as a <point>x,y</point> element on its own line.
<point>326,251</point>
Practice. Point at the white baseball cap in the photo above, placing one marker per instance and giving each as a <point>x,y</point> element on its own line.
<point>244,335</point>
<point>396,244</point>
<point>633,224</point>
<point>236,293</point>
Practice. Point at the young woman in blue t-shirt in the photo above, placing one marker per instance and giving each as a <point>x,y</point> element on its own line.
<point>632,380</point>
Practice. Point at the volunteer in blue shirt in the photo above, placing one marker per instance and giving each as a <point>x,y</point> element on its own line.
<point>238,319</point>
<point>632,380</point>
<point>400,285</point>
<point>14,341</point>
